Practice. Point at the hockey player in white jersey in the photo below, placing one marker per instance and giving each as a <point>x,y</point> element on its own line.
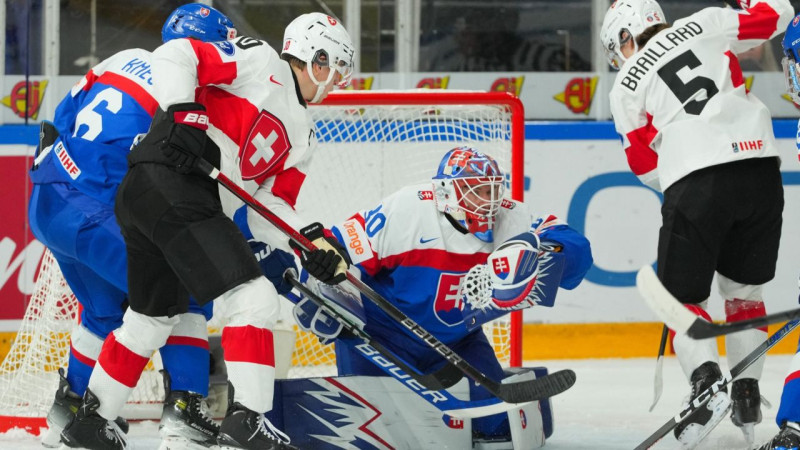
<point>691,130</point>
<point>77,170</point>
<point>242,107</point>
<point>788,417</point>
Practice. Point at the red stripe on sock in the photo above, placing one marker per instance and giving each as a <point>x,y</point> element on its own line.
<point>737,309</point>
<point>698,311</point>
<point>248,344</point>
<point>81,357</point>
<point>120,363</point>
<point>792,376</point>
<point>188,341</point>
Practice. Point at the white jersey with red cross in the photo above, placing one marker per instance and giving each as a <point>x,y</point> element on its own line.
<point>257,117</point>
<point>680,103</point>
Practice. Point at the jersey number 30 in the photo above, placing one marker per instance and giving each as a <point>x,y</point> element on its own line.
<point>685,91</point>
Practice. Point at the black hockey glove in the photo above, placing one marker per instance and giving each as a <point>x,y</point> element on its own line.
<point>329,262</point>
<point>187,138</point>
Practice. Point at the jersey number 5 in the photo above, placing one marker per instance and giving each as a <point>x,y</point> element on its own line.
<point>685,91</point>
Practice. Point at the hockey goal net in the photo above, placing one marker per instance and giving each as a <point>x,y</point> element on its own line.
<point>371,143</point>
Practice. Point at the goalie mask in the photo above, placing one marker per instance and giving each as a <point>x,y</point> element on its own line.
<point>469,187</point>
<point>198,21</point>
<point>320,39</point>
<point>791,60</point>
<point>625,20</point>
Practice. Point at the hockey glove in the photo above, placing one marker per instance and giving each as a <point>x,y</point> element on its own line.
<point>329,262</point>
<point>187,135</point>
<point>577,250</point>
<point>273,264</point>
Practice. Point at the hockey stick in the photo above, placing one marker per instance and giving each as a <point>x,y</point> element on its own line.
<point>705,396</point>
<point>658,383</point>
<point>393,365</point>
<point>680,319</point>
<point>519,392</point>
<point>444,378</point>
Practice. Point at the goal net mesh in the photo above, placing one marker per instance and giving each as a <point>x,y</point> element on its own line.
<point>369,145</point>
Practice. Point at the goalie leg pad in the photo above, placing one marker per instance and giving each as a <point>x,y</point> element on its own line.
<point>186,350</point>
<point>526,424</point>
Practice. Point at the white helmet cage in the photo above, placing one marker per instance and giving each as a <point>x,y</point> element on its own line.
<point>625,20</point>
<point>320,39</point>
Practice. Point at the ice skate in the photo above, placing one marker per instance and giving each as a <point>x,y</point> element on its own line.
<point>786,439</point>
<point>694,428</point>
<point>185,421</point>
<point>65,405</point>
<point>90,430</point>
<point>245,428</point>
<point>746,407</point>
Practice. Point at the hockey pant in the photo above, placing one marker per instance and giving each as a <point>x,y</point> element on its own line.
<point>474,348</point>
<point>180,242</point>
<point>83,236</point>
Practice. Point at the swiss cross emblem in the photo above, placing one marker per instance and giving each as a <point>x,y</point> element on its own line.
<point>447,305</point>
<point>500,266</point>
<point>266,145</point>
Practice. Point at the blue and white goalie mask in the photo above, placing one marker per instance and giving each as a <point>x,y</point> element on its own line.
<point>469,187</point>
<point>791,67</point>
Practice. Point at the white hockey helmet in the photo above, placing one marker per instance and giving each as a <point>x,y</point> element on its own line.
<point>469,187</point>
<point>625,20</point>
<point>318,38</point>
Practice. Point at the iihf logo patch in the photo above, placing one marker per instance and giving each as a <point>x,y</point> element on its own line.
<point>523,419</point>
<point>501,267</point>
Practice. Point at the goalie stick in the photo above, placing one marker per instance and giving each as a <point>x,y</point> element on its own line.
<point>681,320</point>
<point>703,397</point>
<point>394,366</point>
<point>519,392</point>
<point>444,378</point>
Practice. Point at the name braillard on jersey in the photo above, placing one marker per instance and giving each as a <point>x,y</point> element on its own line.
<point>647,58</point>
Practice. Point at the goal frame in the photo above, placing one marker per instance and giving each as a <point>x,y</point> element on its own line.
<point>453,97</point>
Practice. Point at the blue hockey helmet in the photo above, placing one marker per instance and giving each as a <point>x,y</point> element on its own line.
<point>791,60</point>
<point>198,21</point>
<point>469,187</point>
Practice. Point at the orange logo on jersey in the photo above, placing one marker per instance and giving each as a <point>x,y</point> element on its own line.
<point>353,240</point>
<point>433,83</point>
<point>578,94</point>
<point>512,85</point>
<point>26,98</point>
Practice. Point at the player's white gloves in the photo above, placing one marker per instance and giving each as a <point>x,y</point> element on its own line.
<point>507,278</point>
<point>329,262</point>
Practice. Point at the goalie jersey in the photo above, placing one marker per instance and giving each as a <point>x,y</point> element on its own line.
<point>256,116</point>
<point>680,103</point>
<point>410,253</point>
<point>98,121</point>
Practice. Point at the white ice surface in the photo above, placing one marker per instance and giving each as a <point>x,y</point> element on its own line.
<point>606,409</point>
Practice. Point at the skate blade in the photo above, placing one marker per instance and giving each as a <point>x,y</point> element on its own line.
<point>749,432</point>
<point>694,434</point>
<point>52,438</point>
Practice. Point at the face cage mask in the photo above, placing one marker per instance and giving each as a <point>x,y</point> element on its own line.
<point>479,213</point>
<point>340,66</point>
<point>791,74</point>
<point>614,51</point>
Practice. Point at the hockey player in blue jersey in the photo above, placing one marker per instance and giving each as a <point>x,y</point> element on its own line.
<point>788,417</point>
<point>419,245</point>
<point>77,169</point>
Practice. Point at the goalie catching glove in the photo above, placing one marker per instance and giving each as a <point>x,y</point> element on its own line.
<point>507,278</point>
<point>329,261</point>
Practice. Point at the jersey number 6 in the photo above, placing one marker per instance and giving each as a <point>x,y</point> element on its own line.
<point>685,91</point>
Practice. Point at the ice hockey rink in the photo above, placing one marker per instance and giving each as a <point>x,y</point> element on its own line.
<point>607,409</point>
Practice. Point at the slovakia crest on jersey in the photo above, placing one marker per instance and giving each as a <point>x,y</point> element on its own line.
<point>448,305</point>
